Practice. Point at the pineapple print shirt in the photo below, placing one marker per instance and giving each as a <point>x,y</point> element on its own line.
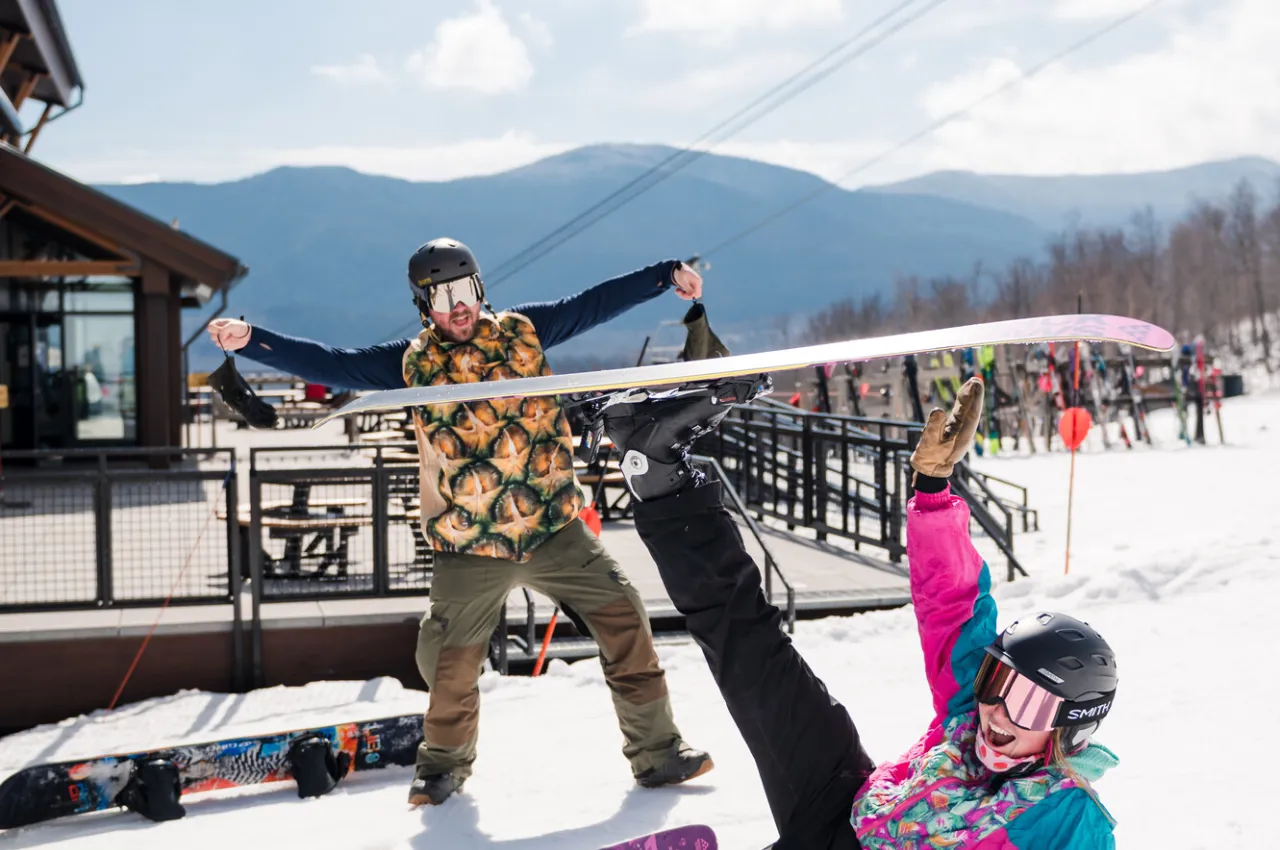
<point>503,467</point>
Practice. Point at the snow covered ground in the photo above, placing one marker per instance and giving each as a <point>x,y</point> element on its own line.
<point>1175,558</point>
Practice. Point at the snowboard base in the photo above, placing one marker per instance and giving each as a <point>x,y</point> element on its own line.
<point>695,837</point>
<point>586,385</point>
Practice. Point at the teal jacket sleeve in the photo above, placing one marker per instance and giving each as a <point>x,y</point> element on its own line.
<point>1066,820</point>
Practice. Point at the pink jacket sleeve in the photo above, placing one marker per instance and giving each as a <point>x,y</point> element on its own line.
<point>951,592</point>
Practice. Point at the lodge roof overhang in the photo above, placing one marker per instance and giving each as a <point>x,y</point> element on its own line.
<point>42,48</point>
<point>197,268</point>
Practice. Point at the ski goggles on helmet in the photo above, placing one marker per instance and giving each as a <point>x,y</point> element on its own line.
<point>443,297</point>
<point>1029,705</point>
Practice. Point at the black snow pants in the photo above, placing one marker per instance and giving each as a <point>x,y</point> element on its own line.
<point>805,746</point>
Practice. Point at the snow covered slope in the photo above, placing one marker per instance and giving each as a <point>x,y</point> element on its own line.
<point>1175,558</point>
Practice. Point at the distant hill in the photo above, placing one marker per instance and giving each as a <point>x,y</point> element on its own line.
<point>327,247</point>
<point>1099,200</point>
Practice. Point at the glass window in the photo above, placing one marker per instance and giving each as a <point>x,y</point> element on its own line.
<point>98,300</point>
<point>98,358</point>
<point>35,299</point>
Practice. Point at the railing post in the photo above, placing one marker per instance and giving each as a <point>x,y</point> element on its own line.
<point>102,534</point>
<point>820,485</point>
<point>379,521</point>
<point>844,475</point>
<point>530,622</point>
<point>807,462</point>
<point>768,579</point>
<point>882,477</point>
<point>255,572</point>
<point>501,634</point>
<point>234,577</point>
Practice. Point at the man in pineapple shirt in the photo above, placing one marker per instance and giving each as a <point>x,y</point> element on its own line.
<point>500,500</point>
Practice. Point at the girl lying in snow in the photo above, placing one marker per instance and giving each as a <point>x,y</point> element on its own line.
<point>1006,763</point>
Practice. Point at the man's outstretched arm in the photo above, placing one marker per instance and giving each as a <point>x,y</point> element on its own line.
<point>376,367</point>
<point>559,321</point>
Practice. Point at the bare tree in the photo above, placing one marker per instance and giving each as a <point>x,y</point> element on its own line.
<point>1243,235</point>
<point>1146,251</point>
<point>1208,272</point>
<point>1018,290</point>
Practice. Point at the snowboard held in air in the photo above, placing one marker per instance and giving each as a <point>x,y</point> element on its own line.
<point>584,387</point>
<point>151,782</point>
<point>696,837</point>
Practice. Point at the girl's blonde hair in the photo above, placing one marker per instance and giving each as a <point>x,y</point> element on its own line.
<point>1059,759</point>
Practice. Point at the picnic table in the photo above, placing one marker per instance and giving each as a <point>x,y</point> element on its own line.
<point>317,529</point>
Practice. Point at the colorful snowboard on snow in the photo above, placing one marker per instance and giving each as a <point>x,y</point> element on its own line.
<point>151,782</point>
<point>696,837</point>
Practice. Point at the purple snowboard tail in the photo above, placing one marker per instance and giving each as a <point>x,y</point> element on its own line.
<point>681,838</point>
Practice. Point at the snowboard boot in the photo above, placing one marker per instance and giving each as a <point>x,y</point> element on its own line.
<point>683,765</point>
<point>433,789</point>
<point>654,433</point>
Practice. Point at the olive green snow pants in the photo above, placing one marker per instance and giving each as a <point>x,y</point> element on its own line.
<point>573,569</point>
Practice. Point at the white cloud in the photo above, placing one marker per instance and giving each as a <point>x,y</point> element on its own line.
<point>726,87</point>
<point>474,52</point>
<point>1089,10</point>
<point>1206,93</point>
<point>539,32</point>
<point>727,16</point>
<point>364,70</point>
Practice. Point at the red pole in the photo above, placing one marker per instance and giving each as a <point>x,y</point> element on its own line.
<point>546,641</point>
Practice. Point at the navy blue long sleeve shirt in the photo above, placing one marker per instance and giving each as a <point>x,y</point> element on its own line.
<point>378,367</point>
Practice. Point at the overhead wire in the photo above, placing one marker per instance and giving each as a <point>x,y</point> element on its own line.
<point>934,126</point>
<point>681,158</point>
<point>691,152</point>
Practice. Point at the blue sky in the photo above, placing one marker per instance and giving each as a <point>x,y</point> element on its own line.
<point>440,89</point>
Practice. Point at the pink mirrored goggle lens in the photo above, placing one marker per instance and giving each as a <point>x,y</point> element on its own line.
<point>1027,704</point>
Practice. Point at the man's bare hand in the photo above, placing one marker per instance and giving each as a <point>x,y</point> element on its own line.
<point>688,282</point>
<point>230,334</point>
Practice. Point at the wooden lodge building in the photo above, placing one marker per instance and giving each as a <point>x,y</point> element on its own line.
<point>91,289</point>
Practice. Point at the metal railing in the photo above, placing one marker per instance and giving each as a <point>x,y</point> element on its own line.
<point>845,476</point>
<point>838,475</point>
<point>86,529</point>
<point>102,528</point>
<point>1020,504</point>
<point>976,493</point>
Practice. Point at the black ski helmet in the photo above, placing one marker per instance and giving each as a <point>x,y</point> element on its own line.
<point>439,261</point>
<point>1068,658</point>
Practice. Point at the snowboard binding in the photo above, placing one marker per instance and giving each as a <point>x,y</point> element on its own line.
<point>315,767</point>
<point>655,432</point>
<point>153,790</point>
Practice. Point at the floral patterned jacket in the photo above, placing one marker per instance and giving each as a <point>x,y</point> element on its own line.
<point>939,794</point>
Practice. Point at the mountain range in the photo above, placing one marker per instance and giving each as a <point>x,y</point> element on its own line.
<point>327,246</point>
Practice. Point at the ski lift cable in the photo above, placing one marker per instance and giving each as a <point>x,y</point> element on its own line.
<point>936,125</point>
<point>656,174</point>
<point>684,157</point>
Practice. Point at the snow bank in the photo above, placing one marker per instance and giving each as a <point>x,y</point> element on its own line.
<point>1174,559</point>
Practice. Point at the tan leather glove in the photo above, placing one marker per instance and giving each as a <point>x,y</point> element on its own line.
<point>947,436</point>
